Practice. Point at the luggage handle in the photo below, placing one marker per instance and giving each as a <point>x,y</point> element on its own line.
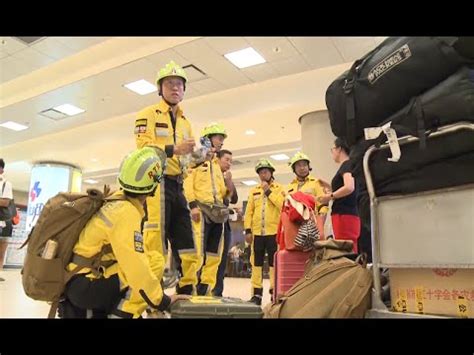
<point>362,260</point>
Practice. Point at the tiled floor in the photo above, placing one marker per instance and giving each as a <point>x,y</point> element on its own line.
<point>15,304</point>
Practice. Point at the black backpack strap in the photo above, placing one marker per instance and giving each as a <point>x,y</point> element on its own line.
<point>350,111</point>
<point>350,104</point>
<point>414,111</point>
<point>348,88</point>
<point>420,122</point>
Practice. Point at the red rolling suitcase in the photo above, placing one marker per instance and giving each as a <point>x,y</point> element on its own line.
<point>289,268</point>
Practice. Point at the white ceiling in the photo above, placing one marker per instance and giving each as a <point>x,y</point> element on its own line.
<point>268,97</point>
<point>18,58</point>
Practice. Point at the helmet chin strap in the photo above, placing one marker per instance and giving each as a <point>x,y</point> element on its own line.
<point>169,103</point>
<point>152,193</point>
<point>269,180</point>
<point>302,177</point>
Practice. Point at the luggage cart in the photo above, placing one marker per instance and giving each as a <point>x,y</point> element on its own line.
<point>404,225</point>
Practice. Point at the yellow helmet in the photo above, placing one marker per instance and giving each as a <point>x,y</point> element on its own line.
<point>264,163</point>
<point>214,128</point>
<point>298,157</point>
<point>171,69</point>
<point>141,171</point>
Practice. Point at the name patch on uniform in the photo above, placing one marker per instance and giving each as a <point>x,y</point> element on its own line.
<point>138,242</point>
<point>140,129</point>
<point>140,125</point>
<point>161,129</point>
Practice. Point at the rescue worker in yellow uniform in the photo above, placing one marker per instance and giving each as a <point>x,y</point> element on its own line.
<point>304,182</point>
<point>123,285</point>
<point>262,216</point>
<point>164,126</point>
<point>204,187</point>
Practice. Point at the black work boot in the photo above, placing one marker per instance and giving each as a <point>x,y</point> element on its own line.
<point>202,289</point>
<point>257,296</point>
<point>256,299</point>
<point>185,290</point>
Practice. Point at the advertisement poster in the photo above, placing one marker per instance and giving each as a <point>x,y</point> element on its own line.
<point>46,181</point>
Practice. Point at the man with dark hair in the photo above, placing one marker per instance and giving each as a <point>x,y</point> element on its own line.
<point>225,161</point>
<point>6,227</point>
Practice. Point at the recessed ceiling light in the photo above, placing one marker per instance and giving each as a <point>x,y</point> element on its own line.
<point>53,114</point>
<point>13,126</point>
<point>280,157</point>
<point>141,87</point>
<point>250,132</point>
<point>245,58</point>
<point>69,109</point>
<point>249,182</point>
<point>90,181</point>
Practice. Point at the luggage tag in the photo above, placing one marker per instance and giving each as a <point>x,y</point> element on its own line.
<point>373,133</point>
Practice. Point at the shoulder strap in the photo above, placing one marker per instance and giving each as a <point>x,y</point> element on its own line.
<point>214,191</point>
<point>93,262</point>
<point>115,198</point>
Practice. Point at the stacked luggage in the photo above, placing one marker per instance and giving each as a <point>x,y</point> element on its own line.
<point>407,86</point>
<point>399,96</point>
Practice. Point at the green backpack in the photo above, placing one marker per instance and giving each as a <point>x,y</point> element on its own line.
<point>333,286</point>
<point>59,225</point>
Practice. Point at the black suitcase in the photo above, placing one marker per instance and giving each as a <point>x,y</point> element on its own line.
<point>384,81</point>
<point>215,307</point>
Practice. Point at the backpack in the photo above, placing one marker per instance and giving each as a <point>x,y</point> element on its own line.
<point>333,286</point>
<point>387,78</point>
<point>62,220</point>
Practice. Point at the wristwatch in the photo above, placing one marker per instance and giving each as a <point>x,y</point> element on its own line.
<point>332,196</point>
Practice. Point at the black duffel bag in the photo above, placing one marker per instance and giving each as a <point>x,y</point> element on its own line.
<point>450,101</point>
<point>387,78</point>
<point>447,161</point>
